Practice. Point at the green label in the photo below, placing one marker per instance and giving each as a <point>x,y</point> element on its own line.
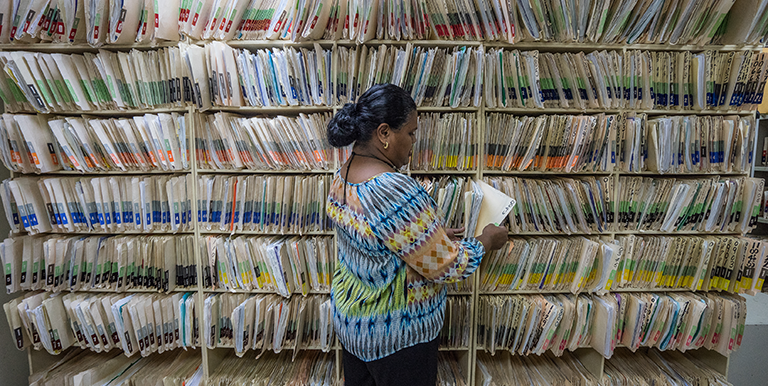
<point>71,90</point>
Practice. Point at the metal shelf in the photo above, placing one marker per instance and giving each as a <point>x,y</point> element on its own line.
<point>260,233</point>
<point>111,113</point>
<point>266,171</point>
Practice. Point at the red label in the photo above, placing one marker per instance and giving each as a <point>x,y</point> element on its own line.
<point>96,32</point>
<point>60,30</point>
<point>277,27</point>
<point>314,22</point>
<point>240,26</point>
<point>223,23</point>
<point>157,21</point>
<point>194,19</point>
<point>119,28</point>
<point>229,26</point>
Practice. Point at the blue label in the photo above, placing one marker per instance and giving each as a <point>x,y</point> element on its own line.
<point>107,217</point>
<point>31,215</point>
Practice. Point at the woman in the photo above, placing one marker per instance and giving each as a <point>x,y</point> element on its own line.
<point>394,253</point>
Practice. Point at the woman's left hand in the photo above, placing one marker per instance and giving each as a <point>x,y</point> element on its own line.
<point>452,232</point>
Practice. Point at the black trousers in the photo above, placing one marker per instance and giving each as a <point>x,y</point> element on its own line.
<point>415,365</point>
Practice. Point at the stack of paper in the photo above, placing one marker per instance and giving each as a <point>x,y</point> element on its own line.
<point>117,263</point>
<point>113,369</point>
<point>306,368</point>
<point>462,287</point>
<point>511,79</point>
<point>632,79</point>
<point>280,265</point>
<point>278,77</point>
<point>272,204</point>
<point>449,370</point>
<point>95,21</point>
<point>142,324</point>
<point>135,323</point>
<point>42,21</point>
<point>705,205</point>
<point>457,323</point>
<point>559,205</point>
<point>653,366</point>
<point>446,142</point>
<point>105,204</point>
<point>678,321</point>
<point>433,76</point>
<point>733,264</point>
<point>549,264</point>
<point>32,144</point>
<point>606,21</point>
<point>545,370</point>
<point>133,80</point>
<point>307,77</point>
<point>282,143</point>
<point>586,204</point>
<point>268,323</point>
<point>559,143</point>
<point>650,367</point>
<point>534,324</point>
<point>689,144</point>
<point>40,321</point>
<point>448,194</point>
<point>621,21</point>
<point>28,145</point>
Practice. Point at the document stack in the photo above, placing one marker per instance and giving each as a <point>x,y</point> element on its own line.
<point>267,323</point>
<point>99,263</point>
<point>179,367</point>
<point>140,323</point>
<point>305,368</point>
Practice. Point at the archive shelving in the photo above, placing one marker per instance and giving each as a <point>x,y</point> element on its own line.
<point>592,360</point>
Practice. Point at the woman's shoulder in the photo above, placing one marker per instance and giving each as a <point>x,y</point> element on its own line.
<point>391,192</point>
<point>392,181</point>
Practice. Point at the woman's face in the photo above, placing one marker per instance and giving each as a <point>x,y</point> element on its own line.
<point>401,144</point>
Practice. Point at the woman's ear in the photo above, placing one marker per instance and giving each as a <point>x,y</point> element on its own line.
<point>383,133</point>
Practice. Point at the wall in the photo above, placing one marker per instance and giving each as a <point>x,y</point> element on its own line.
<point>748,365</point>
<point>14,368</point>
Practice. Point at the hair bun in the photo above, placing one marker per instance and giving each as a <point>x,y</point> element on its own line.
<point>343,129</point>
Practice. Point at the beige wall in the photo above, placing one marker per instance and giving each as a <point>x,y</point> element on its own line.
<point>14,368</point>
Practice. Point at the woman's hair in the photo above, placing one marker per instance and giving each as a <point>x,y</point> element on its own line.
<point>383,103</point>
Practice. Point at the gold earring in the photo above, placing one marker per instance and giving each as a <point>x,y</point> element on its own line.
<point>386,145</point>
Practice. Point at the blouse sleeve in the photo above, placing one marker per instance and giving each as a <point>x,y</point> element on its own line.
<point>405,218</point>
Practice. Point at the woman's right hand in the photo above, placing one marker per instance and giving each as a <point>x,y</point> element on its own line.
<point>493,237</point>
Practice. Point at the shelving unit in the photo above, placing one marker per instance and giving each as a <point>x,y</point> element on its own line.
<point>211,358</point>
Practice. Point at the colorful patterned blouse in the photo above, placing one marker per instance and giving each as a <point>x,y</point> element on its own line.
<point>393,256</point>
